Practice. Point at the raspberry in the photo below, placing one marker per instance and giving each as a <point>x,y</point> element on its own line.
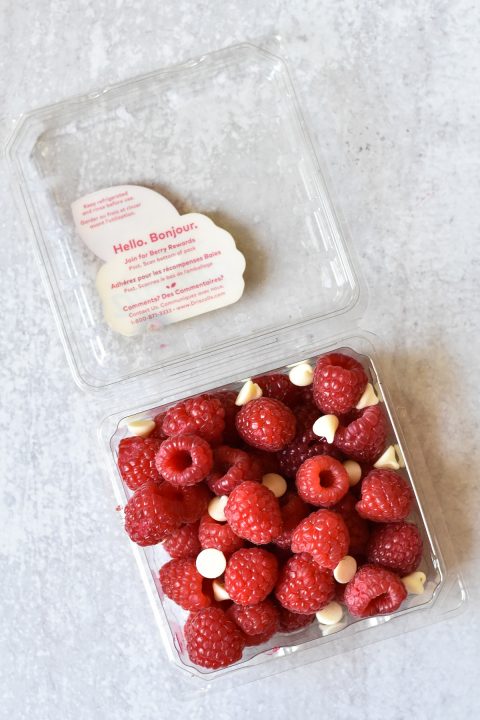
<point>305,416</point>
<point>292,456</point>
<point>253,513</point>
<point>322,481</point>
<point>324,535</point>
<point>213,640</point>
<point>358,528</point>
<point>157,431</point>
<point>257,622</point>
<point>193,502</point>
<point>374,591</point>
<point>278,387</point>
<point>267,461</point>
<point>182,583</point>
<point>305,396</point>
<point>266,424</point>
<point>203,416</point>
<point>302,586</point>
<point>397,547</point>
<point>230,468</point>
<point>150,515</point>
<point>250,575</point>
<point>338,383</point>
<point>282,554</point>
<point>183,542</point>
<point>136,461</point>
<point>386,497</point>
<point>292,509</point>
<point>251,640</point>
<point>227,398</point>
<point>213,534</point>
<point>289,621</point>
<point>184,460</point>
<point>364,438</point>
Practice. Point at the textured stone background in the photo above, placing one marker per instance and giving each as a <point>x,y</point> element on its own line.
<point>391,94</point>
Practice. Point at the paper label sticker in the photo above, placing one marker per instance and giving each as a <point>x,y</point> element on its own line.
<point>160,266</point>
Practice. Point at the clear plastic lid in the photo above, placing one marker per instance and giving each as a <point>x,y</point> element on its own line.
<point>223,136</point>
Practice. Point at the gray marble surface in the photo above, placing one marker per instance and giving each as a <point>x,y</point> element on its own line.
<point>391,94</point>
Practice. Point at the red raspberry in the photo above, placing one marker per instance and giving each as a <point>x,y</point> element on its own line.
<point>157,431</point>
<point>266,424</point>
<point>184,460</point>
<point>292,509</point>
<point>203,416</point>
<point>213,534</point>
<point>258,622</point>
<point>324,535</point>
<point>213,640</point>
<point>267,461</point>
<point>227,398</point>
<point>193,502</point>
<point>338,383</point>
<point>183,542</point>
<point>305,396</point>
<point>302,586</point>
<point>136,461</point>
<point>358,528</point>
<point>250,575</point>
<point>282,554</point>
<point>364,438</point>
<point>150,515</point>
<point>252,640</point>
<point>182,583</point>
<point>253,513</point>
<point>397,547</point>
<point>292,456</point>
<point>279,387</point>
<point>322,481</point>
<point>230,468</point>
<point>374,591</point>
<point>386,497</point>
<point>289,621</point>
<point>306,415</point>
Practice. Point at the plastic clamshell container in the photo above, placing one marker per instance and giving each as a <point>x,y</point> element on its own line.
<point>222,135</point>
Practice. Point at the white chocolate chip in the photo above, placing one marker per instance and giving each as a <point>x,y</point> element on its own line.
<point>326,427</point>
<point>399,454</point>
<point>414,583</point>
<point>354,471</point>
<point>211,563</point>
<point>345,570</point>
<point>140,428</point>
<point>250,391</point>
<point>368,398</point>
<point>301,375</point>
<point>388,460</point>
<point>331,614</point>
<point>216,508</point>
<point>276,483</point>
<point>219,592</point>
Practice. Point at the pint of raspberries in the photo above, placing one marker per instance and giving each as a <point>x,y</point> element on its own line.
<point>256,512</point>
